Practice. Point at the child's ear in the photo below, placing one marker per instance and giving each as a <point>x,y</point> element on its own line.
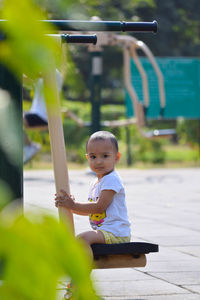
<point>86,155</point>
<point>118,156</point>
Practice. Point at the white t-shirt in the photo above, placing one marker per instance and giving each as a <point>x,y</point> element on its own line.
<point>38,105</point>
<point>115,218</point>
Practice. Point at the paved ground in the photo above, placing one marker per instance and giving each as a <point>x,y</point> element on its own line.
<point>164,208</point>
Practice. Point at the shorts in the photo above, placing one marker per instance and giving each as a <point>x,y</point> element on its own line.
<point>110,238</point>
<point>34,120</point>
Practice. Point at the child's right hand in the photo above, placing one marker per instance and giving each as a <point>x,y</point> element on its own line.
<point>65,200</point>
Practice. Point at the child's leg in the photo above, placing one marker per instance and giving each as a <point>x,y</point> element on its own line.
<point>92,237</point>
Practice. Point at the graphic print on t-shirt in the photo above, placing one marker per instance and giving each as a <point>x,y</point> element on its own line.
<point>96,220</point>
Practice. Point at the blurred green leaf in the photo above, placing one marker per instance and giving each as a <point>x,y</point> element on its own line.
<point>27,49</point>
<point>38,251</point>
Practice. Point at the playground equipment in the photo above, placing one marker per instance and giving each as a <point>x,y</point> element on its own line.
<point>133,254</point>
<point>118,255</point>
<point>129,45</point>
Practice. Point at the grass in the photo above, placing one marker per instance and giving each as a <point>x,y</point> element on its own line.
<point>181,154</point>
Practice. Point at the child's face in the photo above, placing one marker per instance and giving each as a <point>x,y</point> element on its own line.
<point>102,157</point>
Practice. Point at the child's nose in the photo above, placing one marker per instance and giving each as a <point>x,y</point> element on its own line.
<point>99,160</point>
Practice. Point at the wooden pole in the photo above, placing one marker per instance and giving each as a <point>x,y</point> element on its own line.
<point>57,140</point>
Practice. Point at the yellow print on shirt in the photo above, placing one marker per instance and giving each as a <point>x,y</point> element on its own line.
<point>97,219</point>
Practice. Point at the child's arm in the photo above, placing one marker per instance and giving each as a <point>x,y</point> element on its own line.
<point>100,206</point>
<point>79,213</point>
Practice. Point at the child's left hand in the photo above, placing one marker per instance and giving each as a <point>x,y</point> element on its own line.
<point>65,200</point>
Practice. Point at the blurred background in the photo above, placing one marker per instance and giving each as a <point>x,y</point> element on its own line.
<point>177,38</point>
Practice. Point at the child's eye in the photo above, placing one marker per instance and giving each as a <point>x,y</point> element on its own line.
<point>92,156</point>
<point>105,155</point>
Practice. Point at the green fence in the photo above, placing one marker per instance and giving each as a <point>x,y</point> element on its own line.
<point>182,87</point>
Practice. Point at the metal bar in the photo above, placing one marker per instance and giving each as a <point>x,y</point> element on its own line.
<point>73,25</point>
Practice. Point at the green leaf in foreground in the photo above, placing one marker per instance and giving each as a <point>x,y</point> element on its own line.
<point>36,252</point>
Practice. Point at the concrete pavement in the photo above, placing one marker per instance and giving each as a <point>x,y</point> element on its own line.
<point>164,208</point>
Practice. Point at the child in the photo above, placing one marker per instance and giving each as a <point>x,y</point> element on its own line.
<point>106,207</point>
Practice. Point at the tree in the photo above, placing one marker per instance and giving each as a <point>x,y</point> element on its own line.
<point>179,27</point>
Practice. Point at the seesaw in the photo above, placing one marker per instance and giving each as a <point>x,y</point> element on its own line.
<point>125,255</point>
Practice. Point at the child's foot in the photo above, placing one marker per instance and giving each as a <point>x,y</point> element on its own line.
<point>67,295</point>
<point>69,292</point>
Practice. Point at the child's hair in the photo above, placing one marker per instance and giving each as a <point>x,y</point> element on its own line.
<point>103,135</point>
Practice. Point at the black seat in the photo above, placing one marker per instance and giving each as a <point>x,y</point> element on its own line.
<point>133,248</point>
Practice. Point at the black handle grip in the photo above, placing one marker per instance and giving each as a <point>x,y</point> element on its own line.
<point>140,26</point>
<point>86,39</point>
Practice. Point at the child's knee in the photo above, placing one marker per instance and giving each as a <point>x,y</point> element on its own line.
<point>85,237</point>
<point>92,237</point>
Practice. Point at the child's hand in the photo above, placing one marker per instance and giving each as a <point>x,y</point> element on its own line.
<point>65,200</point>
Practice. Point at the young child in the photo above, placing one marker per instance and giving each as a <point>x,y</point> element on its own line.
<point>106,207</point>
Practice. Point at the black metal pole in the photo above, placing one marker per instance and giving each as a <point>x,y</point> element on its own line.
<point>74,25</point>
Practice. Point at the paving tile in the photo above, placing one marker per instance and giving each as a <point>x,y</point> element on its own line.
<point>111,275</point>
<point>194,288</point>
<point>137,288</point>
<point>189,250</point>
<point>157,297</point>
<point>179,278</point>
<point>173,266</point>
<point>178,240</point>
<point>169,254</point>
<point>151,228</point>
